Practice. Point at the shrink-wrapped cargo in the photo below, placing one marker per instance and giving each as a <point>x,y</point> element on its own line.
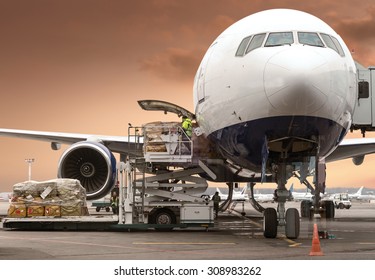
<point>153,140</point>
<point>56,197</point>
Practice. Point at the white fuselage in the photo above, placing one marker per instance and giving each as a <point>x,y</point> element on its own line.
<point>294,88</point>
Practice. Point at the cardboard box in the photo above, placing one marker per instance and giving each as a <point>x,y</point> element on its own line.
<point>52,211</point>
<point>16,210</point>
<point>35,210</point>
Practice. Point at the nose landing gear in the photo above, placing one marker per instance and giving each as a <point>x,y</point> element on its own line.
<point>286,218</point>
<point>273,218</point>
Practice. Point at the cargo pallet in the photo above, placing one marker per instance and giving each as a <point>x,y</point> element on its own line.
<point>74,223</point>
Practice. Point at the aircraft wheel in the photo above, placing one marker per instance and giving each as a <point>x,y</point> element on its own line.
<point>329,210</point>
<point>306,208</point>
<point>292,226</point>
<point>303,209</point>
<point>270,223</point>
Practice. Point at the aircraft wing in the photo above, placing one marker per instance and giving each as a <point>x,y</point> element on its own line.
<point>117,144</point>
<point>350,148</point>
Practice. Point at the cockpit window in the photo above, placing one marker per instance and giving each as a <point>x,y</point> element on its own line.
<point>332,43</point>
<point>310,38</point>
<point>279,38</point>
<point>328,40</point>
<point>242,47</point>
<point>338,46</point>
<point>256,42</point>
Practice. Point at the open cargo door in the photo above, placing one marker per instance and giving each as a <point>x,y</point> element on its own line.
<point>158,105</point>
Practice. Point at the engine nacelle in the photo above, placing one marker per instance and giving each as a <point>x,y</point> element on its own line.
<point>92,164</point>
<point>358,160</point>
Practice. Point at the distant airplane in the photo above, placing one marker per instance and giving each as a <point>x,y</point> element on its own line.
<point>361,197</point>
<point>299,196</point>
<point>264,197</point>
<point>356,194</point>
<point>5,196</point>
<point>236,196</point>
<point>275,92</point>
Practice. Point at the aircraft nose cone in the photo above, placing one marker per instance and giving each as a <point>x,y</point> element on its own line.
<point>296,81</point>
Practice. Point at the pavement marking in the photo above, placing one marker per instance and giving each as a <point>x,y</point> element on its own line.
<point>184,243</point>
<point>145,249</point>
<point>291,242</point>
<point>71,242</point>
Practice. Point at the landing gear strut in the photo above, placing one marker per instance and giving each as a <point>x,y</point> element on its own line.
<point>326,208</point>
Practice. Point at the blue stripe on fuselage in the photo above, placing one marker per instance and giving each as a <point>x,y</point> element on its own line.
<point>242,143</point>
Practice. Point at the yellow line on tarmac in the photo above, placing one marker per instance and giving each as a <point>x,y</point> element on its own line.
<point>184,243</point>
<point>291,242</point>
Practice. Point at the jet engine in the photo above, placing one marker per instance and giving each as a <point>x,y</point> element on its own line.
<point>92,164</point>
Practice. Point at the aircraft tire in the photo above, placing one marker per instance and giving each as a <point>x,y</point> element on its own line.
<point>270,223</point>
<point>292,226</point>
<point>305,208</point>
<point>329,210</point>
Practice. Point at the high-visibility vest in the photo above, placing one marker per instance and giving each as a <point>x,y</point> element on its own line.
<point>114,201</point>
<point>186,125</point>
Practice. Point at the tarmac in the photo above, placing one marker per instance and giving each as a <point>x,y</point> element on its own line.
<point>234,237</point>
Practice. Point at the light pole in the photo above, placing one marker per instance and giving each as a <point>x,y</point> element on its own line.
<point>30,161</point>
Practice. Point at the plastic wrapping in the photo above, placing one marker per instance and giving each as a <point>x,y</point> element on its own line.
<point>152,132</point>
<point>54,198</point>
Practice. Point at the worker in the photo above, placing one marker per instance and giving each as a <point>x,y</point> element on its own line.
<point>187,126</point>
<point>115,203</point>
<point>216,198</point>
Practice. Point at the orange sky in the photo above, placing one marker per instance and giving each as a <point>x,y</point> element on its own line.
<point>81,65</point>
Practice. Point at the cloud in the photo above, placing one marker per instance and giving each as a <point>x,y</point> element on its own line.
<point>357,34</point>
<point>178,63</point>
<point>173,64</point>
<point>220,23</point>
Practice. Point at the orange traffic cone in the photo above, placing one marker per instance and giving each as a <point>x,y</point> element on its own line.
<point>315,248</point>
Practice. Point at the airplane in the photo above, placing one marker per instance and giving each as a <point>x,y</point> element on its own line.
<point>362,197</point>
<point>356,194</point>
<point>236,196</point>
<point>274,93</point>
<point>5,196</point>
<point>295,196</point>
<point>264,197</point>
<point>299,196</point>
